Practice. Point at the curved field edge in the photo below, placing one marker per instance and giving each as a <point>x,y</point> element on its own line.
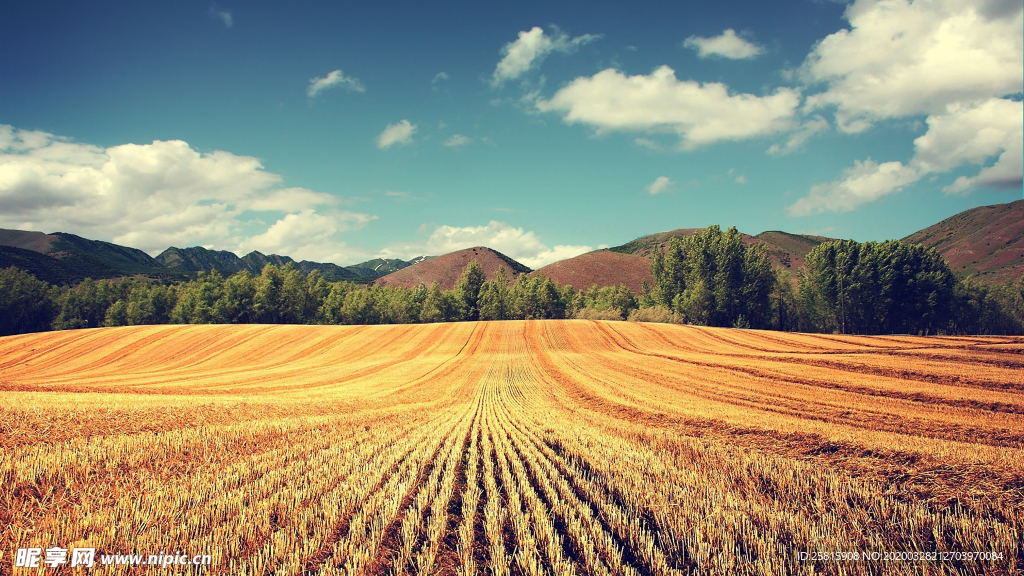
<point>519,447</point>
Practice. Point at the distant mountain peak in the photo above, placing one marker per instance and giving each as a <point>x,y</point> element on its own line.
<point>446,268</point>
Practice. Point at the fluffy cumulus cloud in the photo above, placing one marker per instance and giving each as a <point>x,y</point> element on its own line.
<point>952,61</point>
<point>865,182</point>
<point>726,45</point>
<point>901,58</point>
<point>399,133</point>
<point>517,243</point>
<point>335,78</point>
<point>152,196</point>
<point>971,135</point>
<point>660,184</point>
<point>530,48</point>
<point>698,113</point>
<point>965,135</point>
<point>309,235</point>
<point>796,139</point>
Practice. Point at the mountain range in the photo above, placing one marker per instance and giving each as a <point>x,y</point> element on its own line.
<point>62,258</point>
<point>986,243</point>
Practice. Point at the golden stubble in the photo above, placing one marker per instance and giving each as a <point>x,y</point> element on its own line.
<point>519,447</point>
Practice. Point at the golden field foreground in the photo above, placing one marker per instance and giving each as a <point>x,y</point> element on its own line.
<point>536,447</point>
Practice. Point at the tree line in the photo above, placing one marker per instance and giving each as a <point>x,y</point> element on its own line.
<point>712,278</point>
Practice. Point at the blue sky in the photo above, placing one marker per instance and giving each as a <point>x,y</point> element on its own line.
<point>344,131</point>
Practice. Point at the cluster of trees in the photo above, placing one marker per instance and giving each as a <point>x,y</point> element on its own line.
<point>712,278</point>
<point>890,287</point>
<point>284,295</point>
<point>877,287</point>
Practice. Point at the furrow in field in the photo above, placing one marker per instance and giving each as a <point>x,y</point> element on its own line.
<point>425,524</point>
<point>497,525</point>
<point>363,546</point>
<point>405,528</point>
<point>947,480</point>
<point>966,371</point>
<point>319,505</point>
<point>592,548</point>
<point>512,448</point>
<point>776,392</point>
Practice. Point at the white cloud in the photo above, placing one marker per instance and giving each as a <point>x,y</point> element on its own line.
<point>972,135</point>
<point>439,77</point>
<point>902,58</point>
<point>457,140</point>
<point>530,48</point>
<point>660,184</point>
<point>798,137</point>
<point>398,133</point>
<point>223,15</point>
<point>954,61</point>
<point>285,199</point>
<point>867,181</point>
<point>333,78</point>
<point>521,245</point>
<point>725,45</point>
<point>699,114</point>
<point>962,136</point>
<point>148,196</point>
<point>741,179</point>
<point>309,235</point>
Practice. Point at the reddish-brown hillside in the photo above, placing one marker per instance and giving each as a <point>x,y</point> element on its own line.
<point>600,268</point>
<point>26,240</point>
<point>447,268</point>
<point>985,242</point>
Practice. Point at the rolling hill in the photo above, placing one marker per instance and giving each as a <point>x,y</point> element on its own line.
<point>786,250</point>
<point>447,268</point>
<point>600,268</point>
<point>72,258</point>
<point>61,258</point>
<point>383,266</point>
<point>197,259</point>
<point>986,243</point>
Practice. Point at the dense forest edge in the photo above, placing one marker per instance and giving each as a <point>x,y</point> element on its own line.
<point>709,279</point>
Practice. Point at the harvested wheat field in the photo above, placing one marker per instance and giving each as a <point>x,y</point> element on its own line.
<point>537,447</point>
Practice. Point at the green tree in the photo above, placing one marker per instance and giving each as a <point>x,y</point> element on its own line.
<point>433,305</point>
<point>27,304</point>
<point>495,297</point>
<point>267,299</point>
<point>316,290</point>
<point>237,299</point>
<point>197,300</point>
<point>877,287</point>
<point>84,306</point>
<point>330,311</point>
<point>468,289</point>
<point>714,278</point>
<point>360,307</point>
<point>117,314</point>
